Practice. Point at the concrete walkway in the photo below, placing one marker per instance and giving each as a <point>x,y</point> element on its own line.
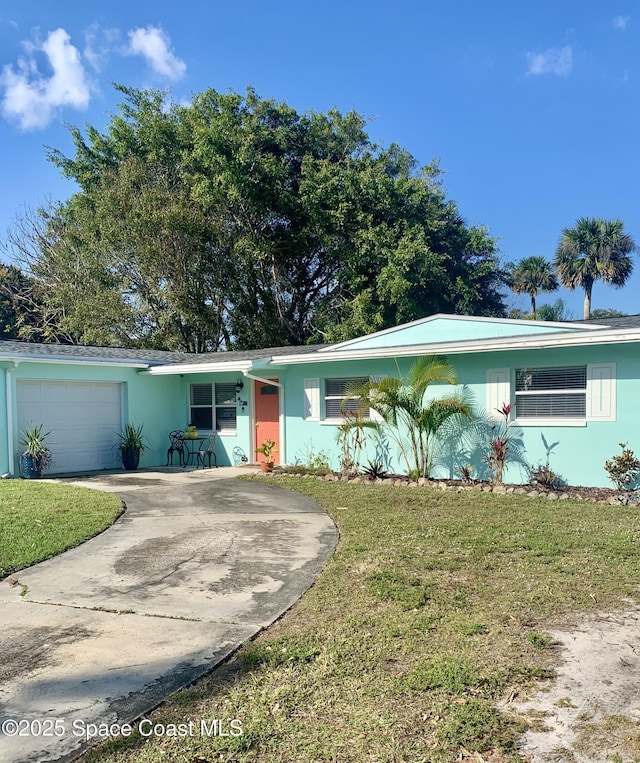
<point>197,564</point>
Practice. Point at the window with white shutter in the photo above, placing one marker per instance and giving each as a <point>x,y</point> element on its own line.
<point>311,393</point>
<point>498,391</point>
<point>601,392</point>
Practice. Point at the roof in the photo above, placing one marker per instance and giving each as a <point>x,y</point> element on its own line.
<point>233,356</point>
<point>10,349</point>
<point>623,322</point>
<point>70,353</point>
<point>436,334</point>
<point>441,328</point>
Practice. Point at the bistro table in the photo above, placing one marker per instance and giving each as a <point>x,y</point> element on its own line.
<point>192,446</point>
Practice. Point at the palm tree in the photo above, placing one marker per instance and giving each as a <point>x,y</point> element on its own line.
<point>401,404</point>
<point>594,250</point>
<point>532,276</point>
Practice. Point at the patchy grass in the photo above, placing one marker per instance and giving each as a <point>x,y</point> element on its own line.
<point>434,606</point>
<point>40,519</point>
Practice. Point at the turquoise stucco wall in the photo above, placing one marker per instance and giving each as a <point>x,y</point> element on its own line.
<point>160,403</point>
<point>452,329</point>
<point>151,401</point>
<point>226,442</point>
<point>578,455</point>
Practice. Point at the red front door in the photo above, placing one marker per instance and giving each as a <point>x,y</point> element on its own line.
<point>267,409</point>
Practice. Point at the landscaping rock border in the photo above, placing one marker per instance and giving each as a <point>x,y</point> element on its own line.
<point>605,496</point>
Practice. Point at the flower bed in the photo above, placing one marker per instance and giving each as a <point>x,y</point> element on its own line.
<point>601,495</point>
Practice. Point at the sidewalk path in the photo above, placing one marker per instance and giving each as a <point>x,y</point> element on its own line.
<point>196,565</point>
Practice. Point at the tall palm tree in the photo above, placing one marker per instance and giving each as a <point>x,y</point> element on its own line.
<point>531,276</point>
<point>594,250</point>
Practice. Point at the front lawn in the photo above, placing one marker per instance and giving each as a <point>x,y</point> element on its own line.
<point>40,519</point>
<point>434,606</point>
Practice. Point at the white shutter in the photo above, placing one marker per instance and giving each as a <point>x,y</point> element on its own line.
<point>311,400</point>
<point>374,415</point>
<point>601,392</point>
<point>498,390</point>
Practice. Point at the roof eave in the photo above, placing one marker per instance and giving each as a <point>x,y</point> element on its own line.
<point>198,368</point>
<point>536,341</point>
<point>77,361</point>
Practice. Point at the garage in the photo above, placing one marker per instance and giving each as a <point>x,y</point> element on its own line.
<point>84,419</point>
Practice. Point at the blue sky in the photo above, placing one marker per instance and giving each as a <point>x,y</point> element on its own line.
<point>531,107</point>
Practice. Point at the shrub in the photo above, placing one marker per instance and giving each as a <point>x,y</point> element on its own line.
<point>623,469</point>
<point>544,476</point>
<point>374,470</point>
<point>499,445</point>
<point>466,472</point>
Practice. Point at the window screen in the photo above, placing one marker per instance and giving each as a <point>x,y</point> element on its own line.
<point>551,393</point>
<point>335,391</point>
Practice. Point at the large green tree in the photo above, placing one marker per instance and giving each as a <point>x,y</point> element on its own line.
<point>594,250</point>
<point>236,222</point>
<point>533,275</point>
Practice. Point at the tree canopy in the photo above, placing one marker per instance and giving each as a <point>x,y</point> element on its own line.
<point>594,250</point>
<point>236,222</point>
<point>531,276</point>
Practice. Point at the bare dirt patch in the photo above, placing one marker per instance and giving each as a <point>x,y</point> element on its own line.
<point>591,712</point>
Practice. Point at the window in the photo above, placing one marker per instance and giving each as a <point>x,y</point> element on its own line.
<point>334,395</point>
<point>226,407</point>
<point>202,406</point>
<point>214,402</point>
<point>551,393</point>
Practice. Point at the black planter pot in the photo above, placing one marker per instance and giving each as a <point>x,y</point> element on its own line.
<point>130,458</point>
<point>28,467</point>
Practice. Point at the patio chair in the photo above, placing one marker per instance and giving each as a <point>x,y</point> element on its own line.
<point>176,438</point>
<point>208,450</point>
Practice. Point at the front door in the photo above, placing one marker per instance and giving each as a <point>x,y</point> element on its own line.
<point>267,409</point>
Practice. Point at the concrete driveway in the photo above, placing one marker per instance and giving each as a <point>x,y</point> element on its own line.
<point>198,563</point>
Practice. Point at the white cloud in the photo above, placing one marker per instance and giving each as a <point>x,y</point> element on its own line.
<point>33,98</point>
<point>620,22</point>
<point>98,44</point>
<point>152,43</point>
<point>557,61</point>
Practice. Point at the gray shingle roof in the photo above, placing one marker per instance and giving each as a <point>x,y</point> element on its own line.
<point>238,355</point>
<point>10,349</point>
<point>624,322</point>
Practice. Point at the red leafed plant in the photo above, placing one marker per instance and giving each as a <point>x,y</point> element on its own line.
<point>499,445</point>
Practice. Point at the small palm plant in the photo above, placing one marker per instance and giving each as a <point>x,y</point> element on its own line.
<point>131,444</point>
<point>36,456</point>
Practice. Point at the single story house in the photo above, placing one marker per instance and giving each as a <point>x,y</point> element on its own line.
<point>575,385</point>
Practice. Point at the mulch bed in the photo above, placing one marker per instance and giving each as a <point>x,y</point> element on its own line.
<point>592,494</point>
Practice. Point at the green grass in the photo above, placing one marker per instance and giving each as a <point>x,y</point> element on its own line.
<point>434,606</point>
<point>40,519</point>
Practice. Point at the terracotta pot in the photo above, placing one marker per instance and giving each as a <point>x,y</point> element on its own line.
<point>266,467</point>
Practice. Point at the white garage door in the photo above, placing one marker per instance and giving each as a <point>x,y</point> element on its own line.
<point>84,419</point>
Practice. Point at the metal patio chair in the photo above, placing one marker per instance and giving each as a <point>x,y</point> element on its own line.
<point>176,438</point>
<point>208,451</point>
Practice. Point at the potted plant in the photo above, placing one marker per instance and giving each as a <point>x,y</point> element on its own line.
<point>267,449</point>
<point>36,457</point>
<point>132,444</point>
